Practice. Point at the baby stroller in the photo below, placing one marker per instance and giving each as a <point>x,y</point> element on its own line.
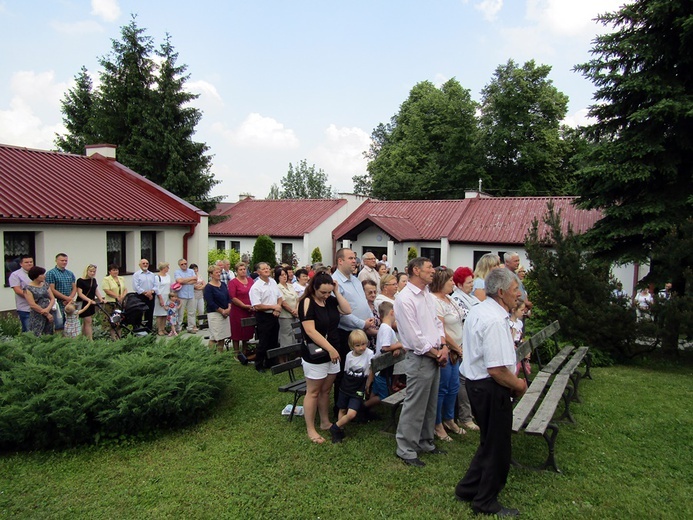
<point>126,319</point>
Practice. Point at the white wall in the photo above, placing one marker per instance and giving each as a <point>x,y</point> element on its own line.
<point>86,245</point>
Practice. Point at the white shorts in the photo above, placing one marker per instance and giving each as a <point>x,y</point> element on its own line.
<point>321,371</point>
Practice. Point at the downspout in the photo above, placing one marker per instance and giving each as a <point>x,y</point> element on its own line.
<point>186,237</point>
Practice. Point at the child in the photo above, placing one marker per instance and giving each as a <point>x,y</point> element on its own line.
<point>357,376</point>
<point>172,312</point>
<point>517,331</point>
<point>72,325</point>
<point>385,342</point>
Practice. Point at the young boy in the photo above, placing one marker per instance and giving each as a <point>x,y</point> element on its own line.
<point>385,342</point>
<point>357,377</point>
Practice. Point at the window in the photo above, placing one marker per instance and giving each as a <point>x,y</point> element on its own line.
<point>115,249</point>
<point>433,254</point>
<point>287,253</point>
<point>148,248</point>
<point>17,243</point>
<point>221,245</point>
<point>236,245</point>
<point>477,256</point>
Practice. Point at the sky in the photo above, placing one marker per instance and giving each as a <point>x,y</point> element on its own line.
<point>281,81</point>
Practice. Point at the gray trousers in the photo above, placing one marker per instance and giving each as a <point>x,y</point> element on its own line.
<point>417,421</point>
<point>464,409</point>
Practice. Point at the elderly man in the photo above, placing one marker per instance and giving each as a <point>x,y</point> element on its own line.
<point>226,273</point>
<point>369,271</point>
<point>423,336</point>
<point>488,364</point>
<point>63,284</point>
<point>19,279</point>
<point>266,298</point>
<point>511,261</point>
<point>143,284</point>
<point>361,316</point>
<point>187,278</point>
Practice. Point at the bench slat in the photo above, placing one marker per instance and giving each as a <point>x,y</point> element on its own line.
<point>548,406</point>
<point>384,360</point>
<point>553,365</point>
<point>524,408</point>
<point>284,351</point>
<point>524,349</point>
<point>285,367</point>
<point>571,365</point>
<point>396,398</point>
<point>298,387</point>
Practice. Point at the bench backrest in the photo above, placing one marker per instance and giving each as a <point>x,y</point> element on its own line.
<point>537,341</point>
<point>386,359</point>
<point>248,322</point>
<point>288,366</point>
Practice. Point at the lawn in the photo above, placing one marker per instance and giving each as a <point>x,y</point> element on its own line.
<point>628,456</point>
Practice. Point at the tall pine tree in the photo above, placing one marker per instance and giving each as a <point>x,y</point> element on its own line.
<point>144,110</point>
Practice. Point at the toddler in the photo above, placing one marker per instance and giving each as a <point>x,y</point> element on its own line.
<point>357,376</point>
<point>172,307</point>
<point>72,326</point>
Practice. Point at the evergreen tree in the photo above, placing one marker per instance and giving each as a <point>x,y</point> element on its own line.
<point>264,251</point>
<point>521,112</point>
<point>144,111</point>
<point>316,255</point>
<point>428,150</point>
<point>77,109</point>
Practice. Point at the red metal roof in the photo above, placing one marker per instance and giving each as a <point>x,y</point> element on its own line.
<point>503,220</point>
<point>403,219</point>
<point>54,187</point>
<point>506,220</point>
<point>275,217</point>
<point>221,209</point>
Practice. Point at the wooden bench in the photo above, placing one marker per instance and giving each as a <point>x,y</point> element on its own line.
<point>252,343</point>
<point>394,401</point>
<point>296,385</point>
<point>534,413</point>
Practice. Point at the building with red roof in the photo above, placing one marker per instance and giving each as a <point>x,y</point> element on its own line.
<point>296,226</point>
<point>92,208</point>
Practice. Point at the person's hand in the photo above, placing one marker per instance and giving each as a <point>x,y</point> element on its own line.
<point>334,355</point>
<point>370,322</point>
<point>49,317</point>
<point>396,352</point>
<point>336,286</point>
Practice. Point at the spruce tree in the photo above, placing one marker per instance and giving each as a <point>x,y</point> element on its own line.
<point>77,109</point>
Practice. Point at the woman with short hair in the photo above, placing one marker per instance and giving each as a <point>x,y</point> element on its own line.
<point>40,298</point>
<point>162,288</point>
<point>218,308</point>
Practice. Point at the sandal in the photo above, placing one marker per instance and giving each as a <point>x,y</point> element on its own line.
<point>444,438</point>
<point>453,428</point>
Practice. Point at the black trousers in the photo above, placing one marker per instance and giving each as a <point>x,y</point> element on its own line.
<point>149,313</point>
<point>488,470</point>
<point>267,337</point>
<point>343,351</point>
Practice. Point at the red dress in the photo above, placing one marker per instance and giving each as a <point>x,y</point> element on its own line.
<point>242,292</point>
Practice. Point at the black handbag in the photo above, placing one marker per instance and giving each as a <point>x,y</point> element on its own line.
<point>314,354</point>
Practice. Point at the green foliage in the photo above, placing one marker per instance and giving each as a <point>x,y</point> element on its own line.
<point>412,253</point>
<point>428,150</point>
<point>264,251</point>
<point>316,255</point>
<point>213,255</point>
<point>303,182</point>
<point>9,325</point>
<point>521,112</point>
<point>144,109</point>
<point>571,286</point>
<point>59,392</point>
<point>638,171</point>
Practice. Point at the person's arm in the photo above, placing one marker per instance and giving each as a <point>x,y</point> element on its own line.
<point>342,303</point>
<point>57,294</point>
<point>505,377</point>
<point>408,323</point>
<point>315,336</point>
<point>73,292</point>
<point>84,308</point>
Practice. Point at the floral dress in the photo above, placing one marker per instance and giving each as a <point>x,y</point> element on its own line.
<point>38,323</point>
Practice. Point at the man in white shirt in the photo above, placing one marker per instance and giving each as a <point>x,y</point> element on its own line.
<point>488,364</point>
<point>422,334</point>
<point>369,272</point>
<point>266,298</point>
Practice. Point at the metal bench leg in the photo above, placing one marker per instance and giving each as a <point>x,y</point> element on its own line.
<point>293,408</point>
<point>588,365</point>
<point>551,442</point>
<point>575,378</point>
<point>567,397</point>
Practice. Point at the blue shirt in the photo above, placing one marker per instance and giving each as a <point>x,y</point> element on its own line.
<point>352,290</point>
<point>187,290</point>
<point>62,279</point>
<point>143,281</point>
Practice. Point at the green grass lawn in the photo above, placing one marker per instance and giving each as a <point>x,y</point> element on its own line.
<point>628,456</point>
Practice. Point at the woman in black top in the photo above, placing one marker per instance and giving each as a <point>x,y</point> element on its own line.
<point>319,310</point>
<point>87,291</point>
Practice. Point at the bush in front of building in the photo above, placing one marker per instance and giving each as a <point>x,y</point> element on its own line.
<point>59,392</point>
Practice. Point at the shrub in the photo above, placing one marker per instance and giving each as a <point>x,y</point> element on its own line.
<point>264,251</point>
<point>316,256</point>
<point>9,325</point>
<point>57,392</point>
<point>220,254</point>
<point>411,254</point>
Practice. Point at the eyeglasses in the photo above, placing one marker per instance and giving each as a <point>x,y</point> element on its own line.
<point>393,283</point>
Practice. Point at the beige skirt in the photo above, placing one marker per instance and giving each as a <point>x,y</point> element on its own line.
<point>219,327</point>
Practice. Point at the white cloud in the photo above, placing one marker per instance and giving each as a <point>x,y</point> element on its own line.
<point>35,99</point>
<point>257,131</point>
<point>489,8</point>
<point>341,155</point>
<point>205,89</point>
<point>78,27</point>
<point>108,10</point>
<point>579,118</point>
<point>570,18</point>
<point>440,79</point>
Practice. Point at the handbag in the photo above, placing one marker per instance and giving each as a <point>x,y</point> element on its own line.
<point>314,354</point>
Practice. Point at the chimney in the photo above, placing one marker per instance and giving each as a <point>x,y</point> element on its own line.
<point>106,150</point>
